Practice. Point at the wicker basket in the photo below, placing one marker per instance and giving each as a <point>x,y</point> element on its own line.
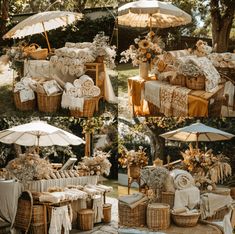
<point>134,171</point>
<point>196,83</point>
<point>107,212</point>
<point>48,103</point>
<point>178,80</point>
<point>37,228</point>
<point>132,217</point>
<point>184,220</point>
<point>158,216</point>
<point>88,109</point>
<point>24,212</point>
<point>219,215</point>
<point>36,53</point>
<point>86,219</point>
<point>168,198</point>
<point>23,106</point>
<point>222,191</point>
<point>37,214</point>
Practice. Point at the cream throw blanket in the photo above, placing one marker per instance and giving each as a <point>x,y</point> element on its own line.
<point>187,198</point>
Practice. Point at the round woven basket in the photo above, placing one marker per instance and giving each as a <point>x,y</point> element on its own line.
<point>219,214</point>
<point>134,171</point>
<point>49,104</point>
<point>88,109</point>
<point>23,106</point>
<point>158,216</point>
<point>39,54</point>
<point>196,83</point>
<point>184,220</point>
<point>86,219</point>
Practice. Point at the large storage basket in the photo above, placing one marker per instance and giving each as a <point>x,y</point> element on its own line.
<point>178,80</point>
<point>85,219</point>
<point>168,198</point>
<point>158,216</point>
<point>37,228</point>
<point>185,220</point>
<point>132,217</point>
<point>196,83</point>
<point>23,106</point>
<point>88,109</point>
<point>49,103</point>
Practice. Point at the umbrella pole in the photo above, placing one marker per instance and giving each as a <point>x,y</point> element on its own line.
<point>48,43</point>
<point>150,22</point>
<point>197,140</point>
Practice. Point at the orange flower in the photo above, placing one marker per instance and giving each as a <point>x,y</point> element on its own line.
<point>148,55</point>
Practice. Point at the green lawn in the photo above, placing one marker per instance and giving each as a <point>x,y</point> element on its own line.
<point>124,72</point>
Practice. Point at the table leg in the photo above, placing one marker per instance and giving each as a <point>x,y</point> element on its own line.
<point>45,218</point>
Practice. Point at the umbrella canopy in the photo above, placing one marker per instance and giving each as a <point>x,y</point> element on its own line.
<point>152,13</point>
<point>38,133</point>
<point>197,132</point>
<point>42,22</point>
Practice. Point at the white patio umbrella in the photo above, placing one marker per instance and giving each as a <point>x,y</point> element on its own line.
<point>41,23</point>
<point>152,13</point>
<point>38,133</point>
<point>197,132</point>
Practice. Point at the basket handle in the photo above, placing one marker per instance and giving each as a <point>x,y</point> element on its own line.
<point>34,44</point>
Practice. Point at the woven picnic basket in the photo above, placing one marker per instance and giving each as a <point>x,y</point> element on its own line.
<point>158,216</point>
<point>168,198</point>
<point>195,83</point>
<point>49,104</point>
<point>23,106</point>
<point>178,80</point>
<point>38,54</point>
<point>184,220</point>
<point>37,223</point>
<point>88,109</point>
<point>135,217</point>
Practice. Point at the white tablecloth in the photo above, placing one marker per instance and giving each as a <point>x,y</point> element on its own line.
<point>9,193</point>
<point>43,68</point>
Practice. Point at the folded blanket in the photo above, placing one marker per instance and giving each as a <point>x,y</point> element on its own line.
<point>130,199</point>
<point>72,70</point>
<point>94,91</point>
<point>85,81</point>
<point>106,188</point>
<point>211,202</point>
<point>187,198</point>
<point>54,197</point>
<point>182,179</point>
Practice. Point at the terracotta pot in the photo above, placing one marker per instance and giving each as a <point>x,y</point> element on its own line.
<point>144,70</point>
<point>134,171</point>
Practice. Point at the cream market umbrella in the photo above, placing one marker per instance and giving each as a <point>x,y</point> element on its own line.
<point>41,23</point>
<point>38,133</point>
<point>197,132</point>
<point>152,13</point>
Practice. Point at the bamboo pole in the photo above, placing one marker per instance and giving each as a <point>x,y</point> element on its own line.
<point>45,33</point>
<point>88,144</point>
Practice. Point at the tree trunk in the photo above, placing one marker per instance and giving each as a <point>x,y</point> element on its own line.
<point>221,25</point>
<point>4,15</point>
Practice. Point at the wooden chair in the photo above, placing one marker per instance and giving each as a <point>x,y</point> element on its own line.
<point>24,212</point>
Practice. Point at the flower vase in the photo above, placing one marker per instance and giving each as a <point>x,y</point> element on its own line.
<point>134,171</point>
<point>144,70</point>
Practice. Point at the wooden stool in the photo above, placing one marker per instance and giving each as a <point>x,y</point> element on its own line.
<point>158,216</point>
<point>107,212</point>
<point>85,219</point>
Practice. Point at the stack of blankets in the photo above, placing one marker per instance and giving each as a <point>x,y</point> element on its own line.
<point>24,87</point>
<point>133,200</point>
<point>223,60</point>
<point>75,94</point>
<point>187,195</point>
<point>71,59</point>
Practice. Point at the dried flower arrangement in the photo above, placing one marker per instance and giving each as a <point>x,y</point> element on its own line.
<point>29,167</point>
<point>202,48</point>
<point>133,157</point>
<point>103,49</point>
<point>144,50</point>
<point>96,165</point>
<point>207,168</point>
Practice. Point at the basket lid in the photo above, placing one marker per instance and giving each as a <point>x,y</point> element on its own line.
<point>159,205</point>
<point>107,205</point>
